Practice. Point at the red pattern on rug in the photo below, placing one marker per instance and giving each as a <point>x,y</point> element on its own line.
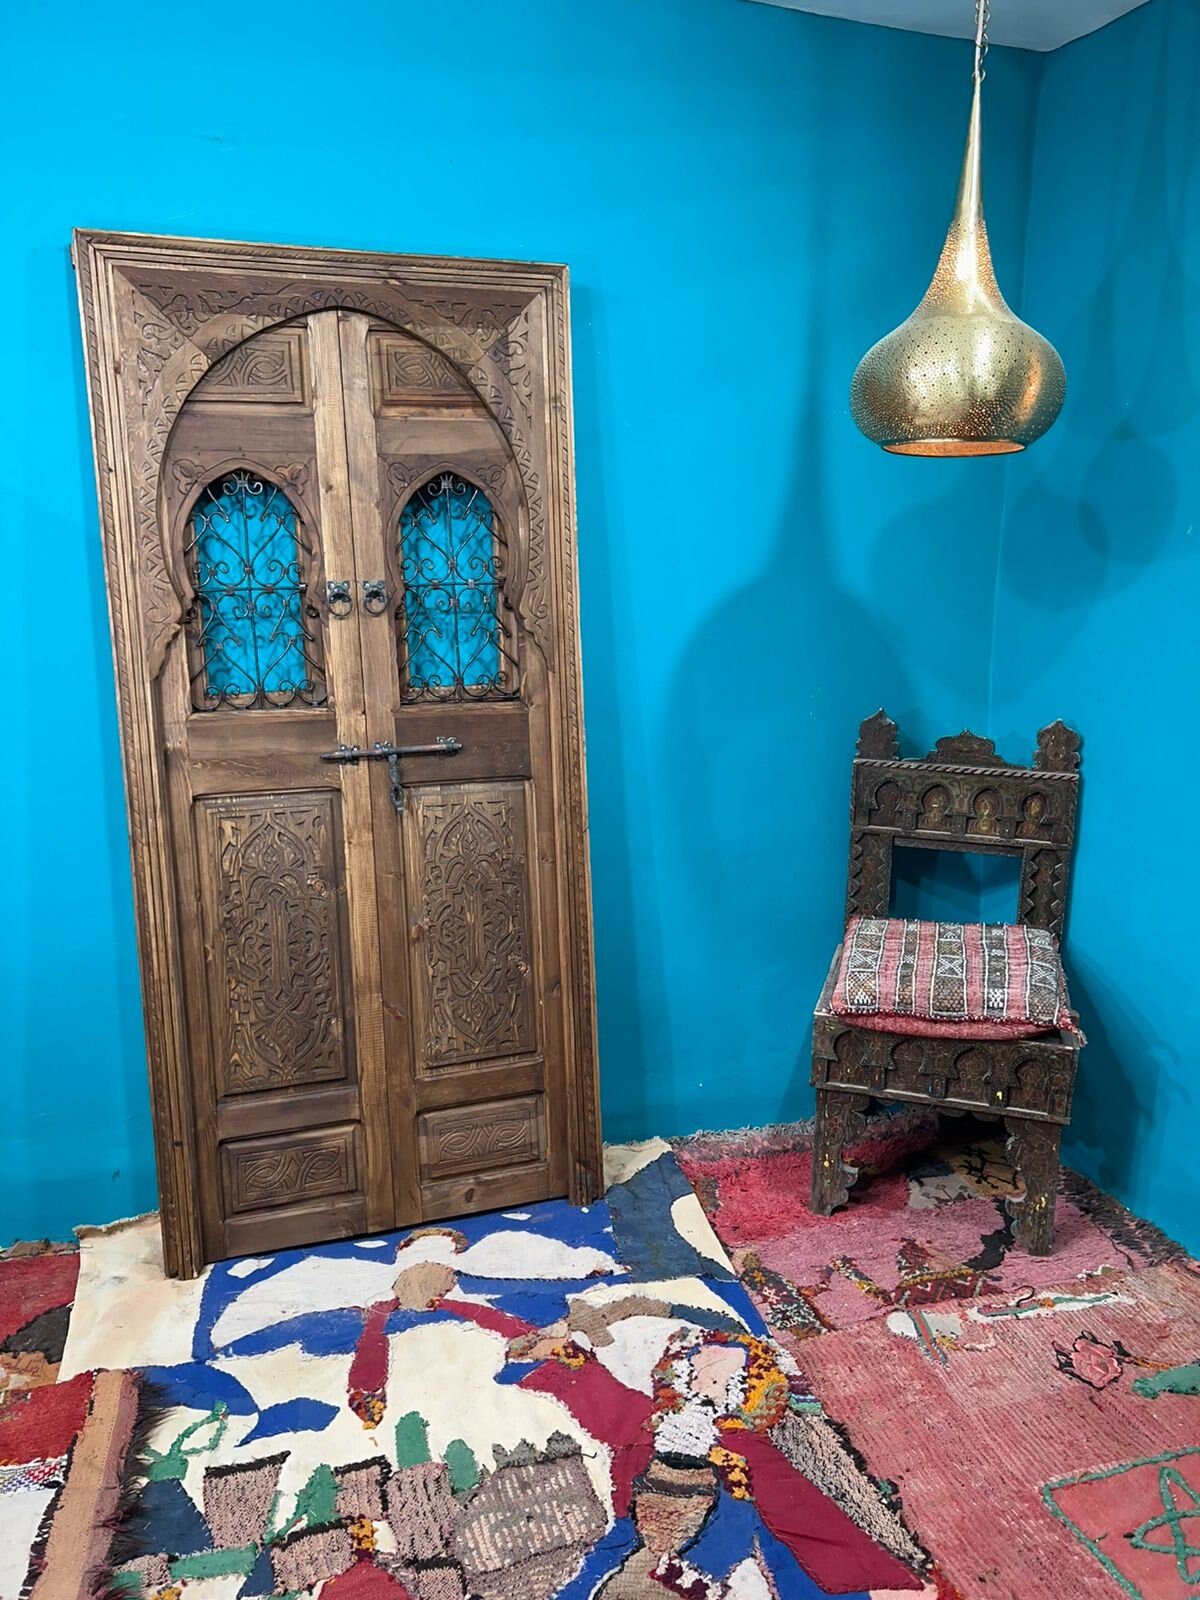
<point>923,1224</point>
<point>1031,1480</point>
<point>365,1581</point>
<point>368,1375</point>
<point>42,1423</point>
<point>32,1285</point>
<point>834,1552</point>
<point>608,1409</point>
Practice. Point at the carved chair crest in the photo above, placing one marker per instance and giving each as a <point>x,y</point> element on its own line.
<point>964,796</point>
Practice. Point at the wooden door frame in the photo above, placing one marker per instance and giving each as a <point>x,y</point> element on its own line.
<point>157,312</point>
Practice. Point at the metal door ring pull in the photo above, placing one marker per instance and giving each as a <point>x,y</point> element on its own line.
<point>374,596</point>
<point>338,597</point>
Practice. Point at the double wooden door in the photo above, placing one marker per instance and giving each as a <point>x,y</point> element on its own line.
<point>368,845</point>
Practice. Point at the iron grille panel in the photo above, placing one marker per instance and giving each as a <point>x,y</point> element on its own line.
<point>251,625</point>
<point>455,623</point>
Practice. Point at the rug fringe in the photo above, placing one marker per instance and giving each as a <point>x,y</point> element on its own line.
<point>153,1408</point>
<point>99,1230</point>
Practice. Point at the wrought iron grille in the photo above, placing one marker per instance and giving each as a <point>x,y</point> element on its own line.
<point>251,623</point>
<point>455,631</point>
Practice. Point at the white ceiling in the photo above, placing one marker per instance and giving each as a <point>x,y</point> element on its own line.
<point>1028,24</point>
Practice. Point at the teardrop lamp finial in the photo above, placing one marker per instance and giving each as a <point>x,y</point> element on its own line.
<point>962,376</point>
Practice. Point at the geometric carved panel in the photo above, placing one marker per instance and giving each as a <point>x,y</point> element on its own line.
<point>271,870</point>
<point>410,375</point>
<point>270,369</point>
<point>1032,1077</point>
<point>503,1133</point>
<point>285,1168</point>
<point>472,964</point>
<point>995,804</point>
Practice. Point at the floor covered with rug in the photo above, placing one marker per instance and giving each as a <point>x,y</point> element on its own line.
<point>691,1388</point>
<point>1039,1417</point>
<point>548,1402</point>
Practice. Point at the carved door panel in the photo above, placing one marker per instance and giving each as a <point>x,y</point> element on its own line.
<point>336,491</point>
<point>472,989</point>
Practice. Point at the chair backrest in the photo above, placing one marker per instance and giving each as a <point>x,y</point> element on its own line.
<point>963,796</point>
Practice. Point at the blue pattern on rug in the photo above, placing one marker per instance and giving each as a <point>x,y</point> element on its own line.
<point>368,1398</point>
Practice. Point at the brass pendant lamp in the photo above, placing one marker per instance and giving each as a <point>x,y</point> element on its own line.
<point>963,376</point>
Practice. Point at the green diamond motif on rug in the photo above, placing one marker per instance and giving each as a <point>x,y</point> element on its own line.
<point>1141,1520</point>
<point>1181,1505</point>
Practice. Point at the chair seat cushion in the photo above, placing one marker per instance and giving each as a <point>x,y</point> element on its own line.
<point>961,980</point>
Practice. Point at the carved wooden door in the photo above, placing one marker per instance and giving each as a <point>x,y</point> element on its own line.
<point>472,1016</point>
<point>368,856</point>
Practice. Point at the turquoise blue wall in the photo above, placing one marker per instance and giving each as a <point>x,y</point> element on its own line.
<point>747,198</point>
<point>1098,592</point>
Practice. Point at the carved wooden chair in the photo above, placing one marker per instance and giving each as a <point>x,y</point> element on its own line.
<point>962,796</point>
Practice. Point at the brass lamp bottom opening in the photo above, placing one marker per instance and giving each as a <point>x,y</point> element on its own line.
<point>954,447</point>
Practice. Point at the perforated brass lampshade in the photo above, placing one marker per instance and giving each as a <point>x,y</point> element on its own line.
<point>963,376</point>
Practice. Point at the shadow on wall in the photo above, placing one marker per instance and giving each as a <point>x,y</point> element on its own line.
<point>762,715</point>
<point>1120,1071</point>
<point>764,737</point>
<point>1098,578</point>
<point>76,847</point>
<point>1117,518</point>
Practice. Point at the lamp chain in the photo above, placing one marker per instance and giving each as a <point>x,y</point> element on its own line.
<point>982,15</point>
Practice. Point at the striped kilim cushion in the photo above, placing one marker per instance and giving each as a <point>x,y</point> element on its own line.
<point>971,980</point>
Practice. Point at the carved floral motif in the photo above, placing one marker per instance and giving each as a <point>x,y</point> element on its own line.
<point>409,372</point>
<point>208,322</point>
<point>278,1005</point>
<point>878,737</point>
<point>1058,749</point>
<point>269,368</point>
<point>966,749</point>
<point>474,917</point>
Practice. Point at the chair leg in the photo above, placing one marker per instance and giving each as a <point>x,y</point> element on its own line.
<point>839,1118</point>
<point>1033,1151</point>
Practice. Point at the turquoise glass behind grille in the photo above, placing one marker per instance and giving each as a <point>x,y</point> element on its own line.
<point>245,559</point>
<point>452,637</point>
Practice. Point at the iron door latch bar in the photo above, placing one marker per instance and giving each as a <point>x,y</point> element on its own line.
<point>349,755</point>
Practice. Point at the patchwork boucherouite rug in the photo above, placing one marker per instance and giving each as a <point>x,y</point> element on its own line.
<point>63,1443</point>
<point>550,1402</point>
<point>1039,1417</point>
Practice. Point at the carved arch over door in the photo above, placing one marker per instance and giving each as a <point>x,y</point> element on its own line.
<point>158,314</point>
<point>185,335</point>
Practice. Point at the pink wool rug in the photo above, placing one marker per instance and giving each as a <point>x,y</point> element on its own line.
<point>926,1222</point>
<point>1043,1447</point>
<point>1038,1417</point>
